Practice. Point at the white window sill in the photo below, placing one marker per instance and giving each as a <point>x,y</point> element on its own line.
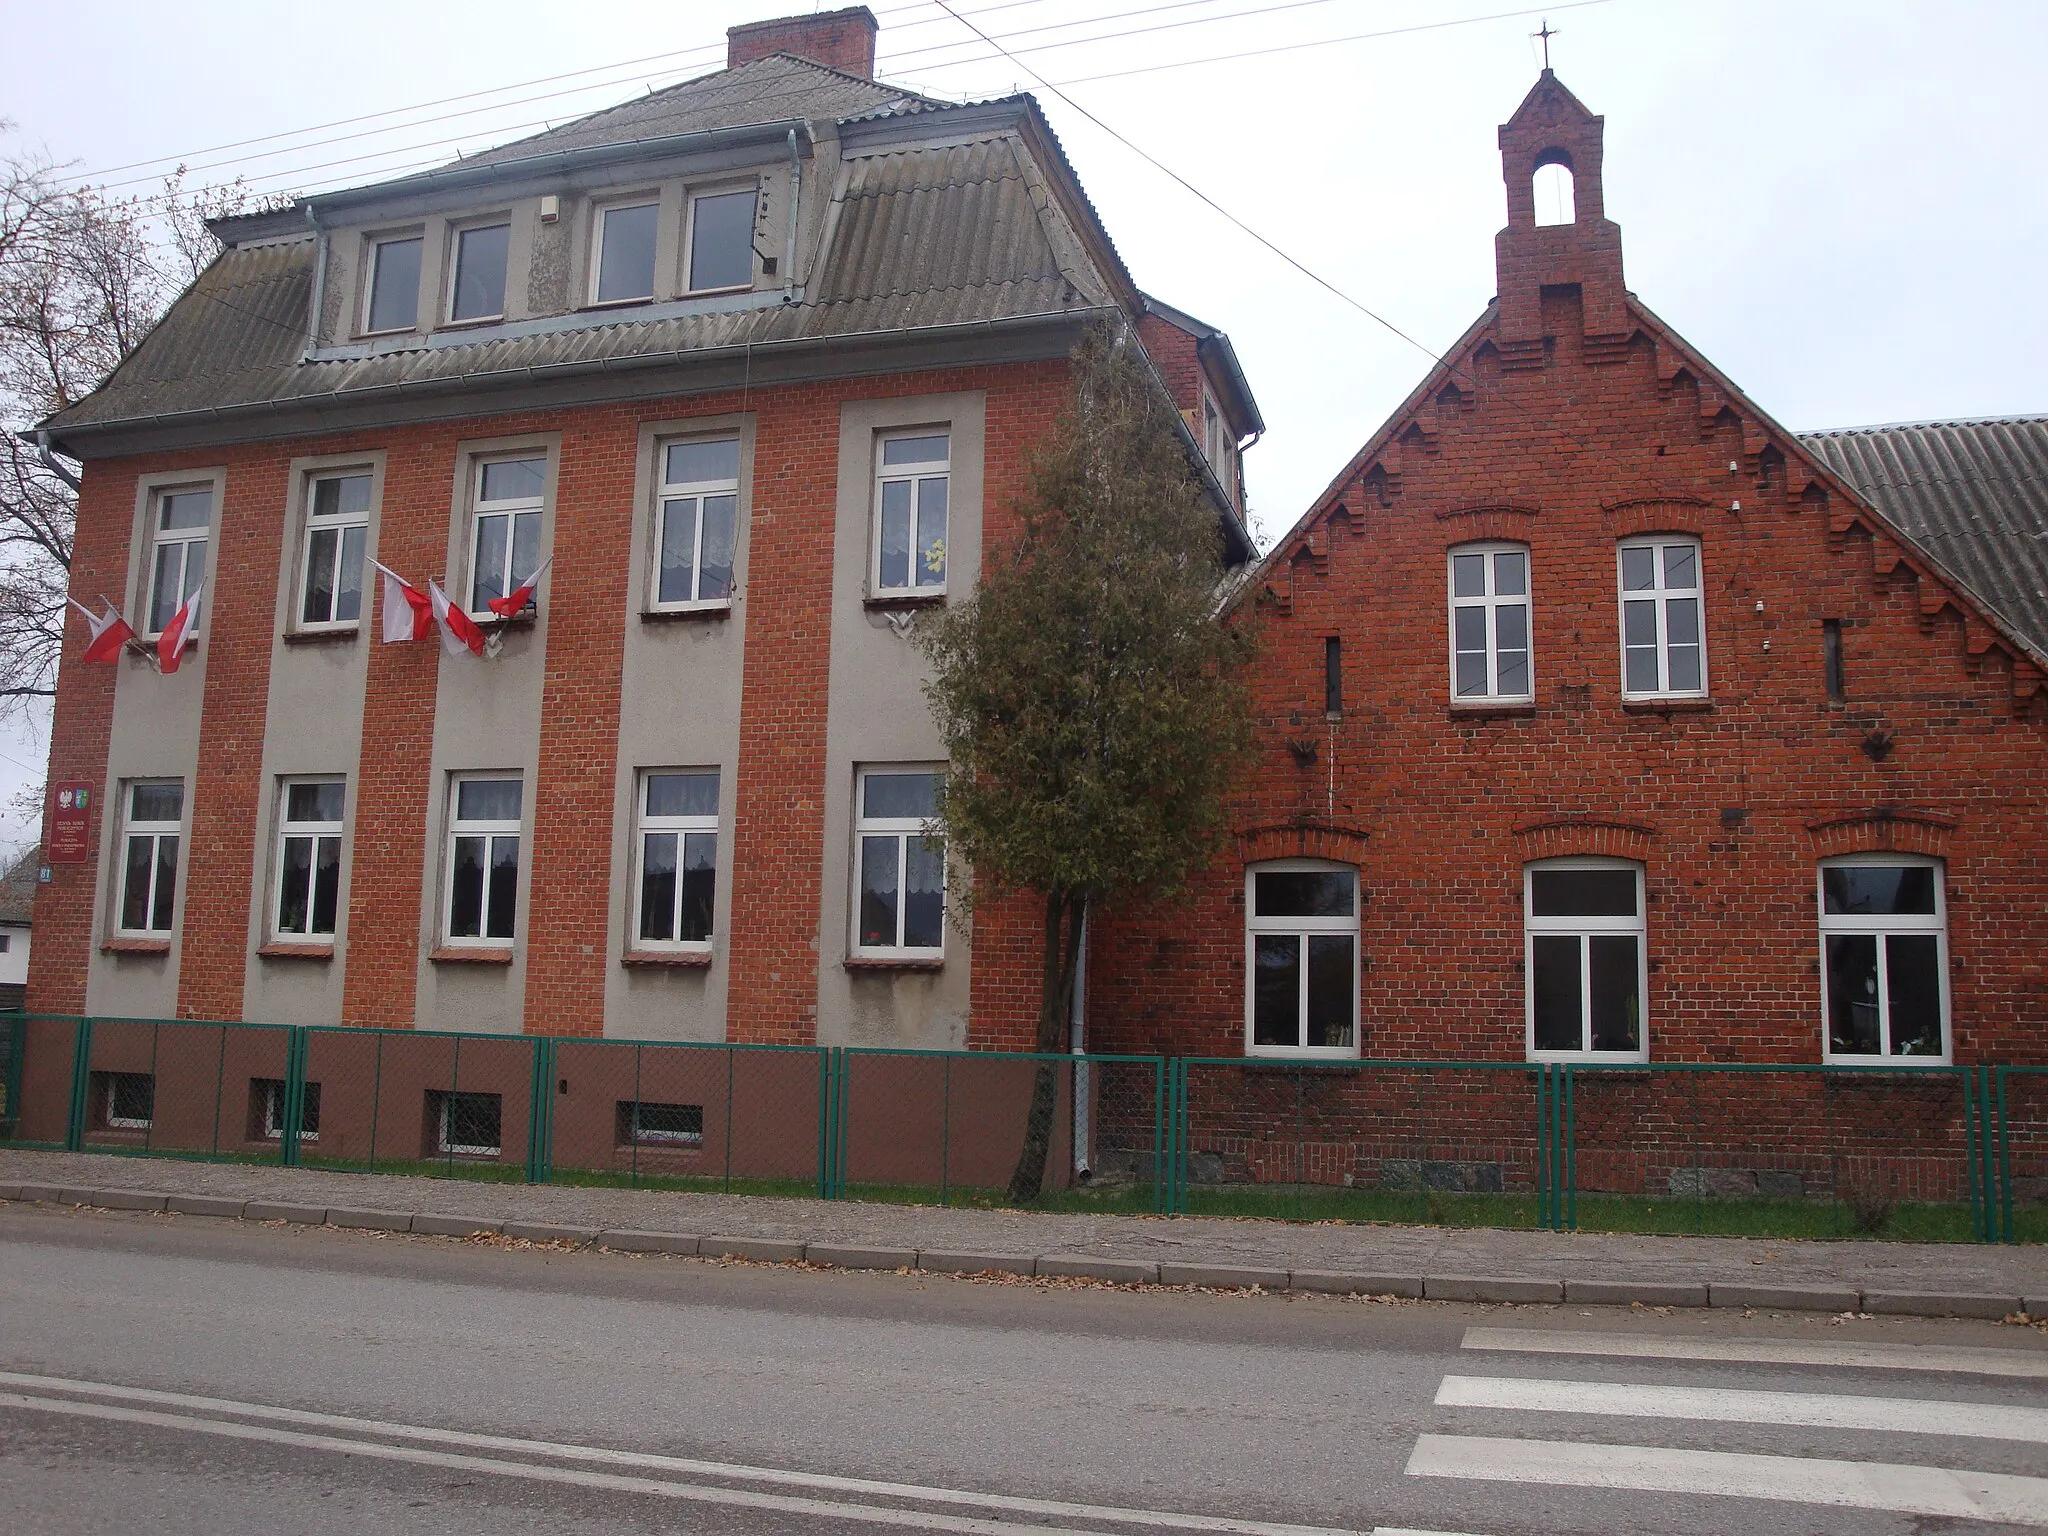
<point>1668,704</point>
<point>1333,1055</point>
<point>682,612</point>
<point>1588,1058</point>
<point>906,597</point>
<point>894,960</point>
<point>337,634</point>
<point>1888,1063</point>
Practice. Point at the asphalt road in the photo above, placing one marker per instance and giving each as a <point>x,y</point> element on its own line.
<point>175,1374</point>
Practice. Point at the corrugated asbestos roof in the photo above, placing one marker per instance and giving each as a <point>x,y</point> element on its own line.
<point>921,237</point>
<point>1974,494</point>
<point>765,90</point>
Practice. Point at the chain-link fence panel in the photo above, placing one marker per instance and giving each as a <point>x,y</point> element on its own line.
<point>41,1062</point>
<point>733,1118</point>
<point>2020,1140</point>
<point>1786,1151</point>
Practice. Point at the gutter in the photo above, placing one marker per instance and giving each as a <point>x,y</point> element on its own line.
<point>795,202</point>
<point>49,461</point>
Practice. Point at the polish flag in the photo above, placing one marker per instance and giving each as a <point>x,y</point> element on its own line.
<point>177,635</point>
<point>408,612</point>
<point>110,632</point>
<point>510,605</point>
<point>458,630</point>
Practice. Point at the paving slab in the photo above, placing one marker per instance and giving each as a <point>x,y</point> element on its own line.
<point>842,1256</point>
<point>1785,1298</point>
<point>550,1232</point>
<point>773,1250</point>
<point>650,1242</point>
<point>206,1205</point>
<point>1491,1288</point>
<point>1629,1293</point>
<point>1342,1284</point>
<point>1940,1304</point>
<point>280,1210</point>
<point>941,1262</point>
<point>437,1224</point>
<point>369,1220</point>
<point>1223,1276</point>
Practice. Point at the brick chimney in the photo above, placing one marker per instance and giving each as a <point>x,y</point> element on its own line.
<point>842,40</point>
<point>1552,127</point>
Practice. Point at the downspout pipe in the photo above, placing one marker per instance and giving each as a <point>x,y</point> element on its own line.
<point>796,195</point>
<point>1077,1044</point>
<point>49,461</point>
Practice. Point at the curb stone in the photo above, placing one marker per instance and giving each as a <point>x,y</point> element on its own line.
<point>206,1205</point>
<point>1787,1298</point>
<point>10,1191</point>
<point>271,1210</point>
<point>860,1258</point>
<point>1088,1267</point>
<point>436,1225</point>
<point>121,1199</point>
<point>771,1250</point>
<point>1338,1283</point>
<point>41,1194</point>
<point>370,1220</point>
<point>1626,1293</point>
<point>940,1262</point>
<point>1223,1276</point>
<point>549,1232</point>
<point>1490,1288</point>
<point>628,1240</point>
<point>1941,1304</point>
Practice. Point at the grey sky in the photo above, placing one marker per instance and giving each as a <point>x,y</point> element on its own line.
<point>1838,201</point>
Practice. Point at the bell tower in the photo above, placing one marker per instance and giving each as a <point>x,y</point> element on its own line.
<point>1553,128</point>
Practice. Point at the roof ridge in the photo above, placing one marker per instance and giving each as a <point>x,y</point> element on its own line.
<point>2024,418</point>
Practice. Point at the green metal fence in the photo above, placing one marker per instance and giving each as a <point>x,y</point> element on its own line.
<point>1938,1153</point>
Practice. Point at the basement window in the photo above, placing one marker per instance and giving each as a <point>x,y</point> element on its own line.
<point>660,1125</point>
<point>268,1093</point>
<point>467,1124</point>
<point>126,1100</point>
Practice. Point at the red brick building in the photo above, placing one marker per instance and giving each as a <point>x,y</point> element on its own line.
<point>1603,719</point>
<point>758,362</point>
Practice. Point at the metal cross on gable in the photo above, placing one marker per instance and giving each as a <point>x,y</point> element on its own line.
<point>1547,33</point>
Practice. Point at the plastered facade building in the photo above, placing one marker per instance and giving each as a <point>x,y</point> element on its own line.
<point>758,363</point>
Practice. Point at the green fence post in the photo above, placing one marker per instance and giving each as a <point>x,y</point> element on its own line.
<point>1159,1207</point>
<point>81,1086</point>
<point>825,1123</point>
<point>2010,1233</point>
<point>1545,1154</point>
<point>537,1085</point>
<point>840,1154</point>
<point>1972,1158</point>
<point>1571,1149</point>
<point>294,1095</point>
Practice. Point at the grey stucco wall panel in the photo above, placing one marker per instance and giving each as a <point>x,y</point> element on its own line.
<point>878,714</point>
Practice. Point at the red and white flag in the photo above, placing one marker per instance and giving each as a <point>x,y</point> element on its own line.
<point>177,635</point>
<point>510,605</point>
<point>110,632</point>
<point>408,612</point>
<point>459,631</point>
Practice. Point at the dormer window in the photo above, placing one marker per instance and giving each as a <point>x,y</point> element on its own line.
<point>478,291</point>
<point>722,241</point>
<point>394,289</point>
<point>624,269</point>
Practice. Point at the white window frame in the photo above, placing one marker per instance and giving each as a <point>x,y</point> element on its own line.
<point>155,831</point>
<point>688,253</point>
<point>598,215</point>
<point>318,832</point>
<point>161,539</point>
<point>273,1110</point>
<point>1305,928</point>
<point>490,831</point>
<point>340,523</point>
<point>511,508</point>
<point>681,828</point>
<point>1882,927</point>
<point>370,269</point>
<point>1491,603</point>
<point>456,233</point>
<point>466,1149</point>
<point>695,491</point>
<point>1585,928</point>
<point>915,475</point>
<point>906,830</point>
<point>1662,596</point>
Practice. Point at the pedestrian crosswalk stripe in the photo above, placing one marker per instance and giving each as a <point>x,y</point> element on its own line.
<point>1884,1357</point>
<point>1933,1491</point>
<point>1981,1421</point>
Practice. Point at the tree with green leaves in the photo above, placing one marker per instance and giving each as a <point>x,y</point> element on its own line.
<point>1092,703</point>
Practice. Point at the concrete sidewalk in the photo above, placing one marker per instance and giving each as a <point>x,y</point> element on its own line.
<point>1452,1264</point>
